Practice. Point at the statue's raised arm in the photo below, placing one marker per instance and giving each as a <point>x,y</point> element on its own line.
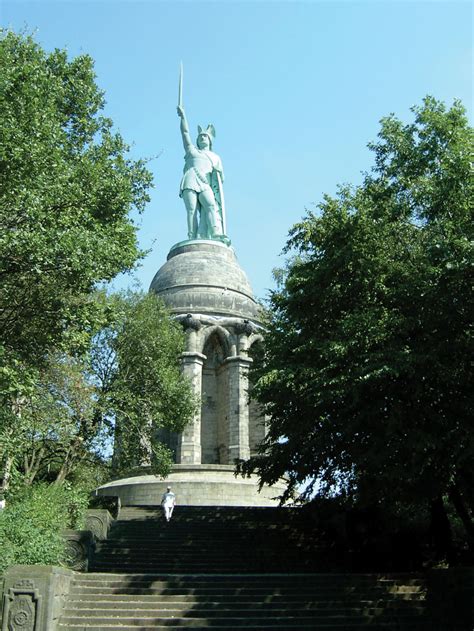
<point>201,185</point>
<point>184,128</point>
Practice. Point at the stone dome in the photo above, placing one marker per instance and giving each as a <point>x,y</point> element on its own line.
<point>205,277</point>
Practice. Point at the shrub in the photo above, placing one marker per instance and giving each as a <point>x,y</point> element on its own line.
<point>32,522</point>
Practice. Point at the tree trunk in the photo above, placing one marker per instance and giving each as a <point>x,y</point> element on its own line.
<point>32,465</point>
<point>440,530</point>
<point>466,481</point>
<point>7,473</point>
<point>458,503</point>
<point>72,456</point>
<point>63,471</point>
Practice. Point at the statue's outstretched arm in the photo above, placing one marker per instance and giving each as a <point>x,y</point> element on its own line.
<point>187,143</point>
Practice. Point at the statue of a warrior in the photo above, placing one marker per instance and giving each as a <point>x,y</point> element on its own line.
<point>201,185</point>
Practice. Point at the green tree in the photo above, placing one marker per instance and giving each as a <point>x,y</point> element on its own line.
<point>136,365</point>
<point>67,187</point>
<point>367,374</point>
<point>130,380</point>
<point>66,191</point>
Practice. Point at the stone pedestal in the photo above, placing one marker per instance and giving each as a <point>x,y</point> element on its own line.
<point>194,485</point>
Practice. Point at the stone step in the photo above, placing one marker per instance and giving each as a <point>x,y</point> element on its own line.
<point>253,609</point>
<point>232,622</point>
<point>190,551</point>
<point>192,546</point>
<point>180,521</point>
<point>270,587</point>
<point>231,569</point>
<point>243,599</point>
<point>231,538</point>
<point>181,552</point>
<point>231,603</point>
<point>319,578</point>
<point>215,517</point>
<point>210,593</point>
<point>346,626</point>
<point>268,626</point>
<point>312,619</point>
<point>261,581</point>
<point>264,512</point>
<point>173,533</point>
<point>238,611</point>
<point>195,565</point>
<point>307,594</point>
<point>181,524</point>
<point>192,568</point>
<point>178,551</point>
<point>189,567</point>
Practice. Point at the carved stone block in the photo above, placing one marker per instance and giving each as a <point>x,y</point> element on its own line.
<point>79,547</point>
<point>98,521</point>
<point>22,607</point>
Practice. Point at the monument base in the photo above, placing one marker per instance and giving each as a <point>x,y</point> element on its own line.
<point>195,485</point>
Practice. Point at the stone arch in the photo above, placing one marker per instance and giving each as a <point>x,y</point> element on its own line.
<point>257,421</point>
<point>223,335</point>
<point>215,397</point>
<point>254,338</point>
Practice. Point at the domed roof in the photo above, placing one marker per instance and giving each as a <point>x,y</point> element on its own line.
<point>205,277</point>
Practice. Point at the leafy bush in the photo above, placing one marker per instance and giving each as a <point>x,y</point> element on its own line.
<point>32,522</point>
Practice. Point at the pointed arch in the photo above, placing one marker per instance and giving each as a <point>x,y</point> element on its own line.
<point>215,397</point>
<point>223,335</point>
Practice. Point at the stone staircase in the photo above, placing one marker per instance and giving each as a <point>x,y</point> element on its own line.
<point>210,540</point>
<point>231,568</point>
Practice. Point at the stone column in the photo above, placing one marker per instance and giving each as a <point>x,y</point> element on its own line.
<point>238,412</point>
<point>189,442</point>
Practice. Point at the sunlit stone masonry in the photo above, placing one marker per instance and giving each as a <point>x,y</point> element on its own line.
<point>208,292</point>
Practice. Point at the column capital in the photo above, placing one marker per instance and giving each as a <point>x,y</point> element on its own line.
<point>239,359</point>
<point>193,356</point>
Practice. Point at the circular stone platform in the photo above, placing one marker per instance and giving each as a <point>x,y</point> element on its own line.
<point>194,485</point>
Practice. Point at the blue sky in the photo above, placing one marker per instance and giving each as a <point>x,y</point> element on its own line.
<point>294,89</point>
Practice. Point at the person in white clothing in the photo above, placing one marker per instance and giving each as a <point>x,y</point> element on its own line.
<point>168,501</point>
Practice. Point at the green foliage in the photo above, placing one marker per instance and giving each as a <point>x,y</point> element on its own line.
<point>129,381</point>
<point>67,187</point>
<point>31,524</point>
<point>135,362</point>
<point>53,429</point>
<point>366,375</point>
<point>66,190</point>
<point>76,498</point>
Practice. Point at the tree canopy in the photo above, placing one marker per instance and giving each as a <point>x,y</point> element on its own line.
<point>366,374</point>
<point>135,362</point>
<point>127,386</point>
<point>72,360</point>
<point>66,190</point>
